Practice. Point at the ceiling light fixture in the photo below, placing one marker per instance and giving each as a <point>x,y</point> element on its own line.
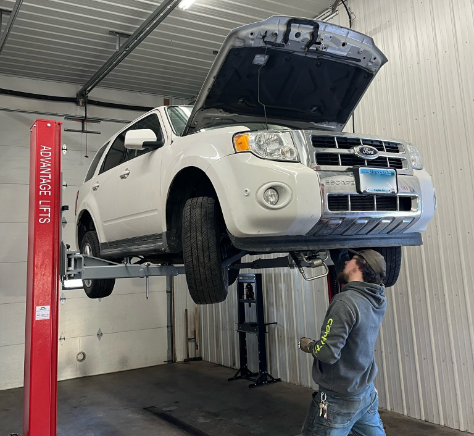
<point>185,4</point>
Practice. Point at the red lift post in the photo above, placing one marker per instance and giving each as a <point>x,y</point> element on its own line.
<point>44,224</point>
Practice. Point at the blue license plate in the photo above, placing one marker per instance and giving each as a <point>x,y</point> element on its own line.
<point>378,181</point>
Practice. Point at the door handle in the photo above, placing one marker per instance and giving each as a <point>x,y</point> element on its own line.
<point>125,174</point>
<point>95,187</point>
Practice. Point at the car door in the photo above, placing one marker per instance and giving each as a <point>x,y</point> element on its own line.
<point>138,189</point>
<point>103,191</point>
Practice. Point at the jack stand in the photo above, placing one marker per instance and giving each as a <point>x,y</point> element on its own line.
<point>249,291</point>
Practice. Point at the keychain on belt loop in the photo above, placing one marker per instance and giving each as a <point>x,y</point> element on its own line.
<point>323,406</point>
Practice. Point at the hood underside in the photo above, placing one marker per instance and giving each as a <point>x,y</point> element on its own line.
<point>305,72</point>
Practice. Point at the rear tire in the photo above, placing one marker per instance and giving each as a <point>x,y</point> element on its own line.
<point>205,246</point>
<point>393,259</point>
<point>95,288</point>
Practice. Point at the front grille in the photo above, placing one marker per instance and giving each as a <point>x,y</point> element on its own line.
<point>375,143</point>
<point>345,143</point>
<point>351,160</point>
<point>323,141</point>
<point>331,156</point>
<point>327,159</point>
<point>362,203</point>
<point>370,203</point>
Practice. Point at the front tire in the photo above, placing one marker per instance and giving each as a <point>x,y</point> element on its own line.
<point>205,246</point>
<point>95,288</point>
<point>393,259</point>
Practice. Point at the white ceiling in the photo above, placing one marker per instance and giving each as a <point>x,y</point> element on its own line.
<point>67,41</point>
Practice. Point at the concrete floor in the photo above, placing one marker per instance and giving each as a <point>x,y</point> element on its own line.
<point>197,394</point>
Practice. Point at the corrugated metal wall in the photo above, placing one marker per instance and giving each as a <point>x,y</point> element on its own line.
<point>425,349</point>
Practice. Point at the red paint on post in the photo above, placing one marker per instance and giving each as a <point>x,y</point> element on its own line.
<point>330,286</point>
<point>44,224</point>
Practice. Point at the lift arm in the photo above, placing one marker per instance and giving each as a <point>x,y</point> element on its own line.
<point>80,267</point>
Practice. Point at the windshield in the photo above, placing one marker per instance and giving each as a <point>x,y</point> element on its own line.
<point>179,116</point>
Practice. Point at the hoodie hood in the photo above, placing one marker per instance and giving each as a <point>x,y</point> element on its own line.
<point>373,292</point>
<point>292,71</point>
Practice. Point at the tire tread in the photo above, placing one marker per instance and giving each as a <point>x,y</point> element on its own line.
<point>100,288</point>
<point>201,250</point>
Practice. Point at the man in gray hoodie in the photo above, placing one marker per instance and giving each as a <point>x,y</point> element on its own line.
<point>344,365</point>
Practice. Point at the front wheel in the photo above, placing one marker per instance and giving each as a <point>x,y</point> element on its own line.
<point>393,259</point>
<point>205,247</point>
<point>95,288</point>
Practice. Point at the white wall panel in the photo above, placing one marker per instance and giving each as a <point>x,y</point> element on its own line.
<point>12,358</point>
<point>425,351</point>
<point>183,301</point>
<point>114,352</point>
<point>134,328</point>
<point>13,282</point>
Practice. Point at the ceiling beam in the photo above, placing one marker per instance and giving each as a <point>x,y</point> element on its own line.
<point>11,20</point>
<point>128,46</point>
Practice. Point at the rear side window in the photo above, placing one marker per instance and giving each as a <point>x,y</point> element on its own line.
<point>95,162</point>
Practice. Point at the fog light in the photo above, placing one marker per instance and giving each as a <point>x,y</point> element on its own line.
<point>271,196</point>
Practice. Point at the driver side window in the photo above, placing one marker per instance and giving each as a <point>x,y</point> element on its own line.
<point>151,122</point>
<point>118,154</point>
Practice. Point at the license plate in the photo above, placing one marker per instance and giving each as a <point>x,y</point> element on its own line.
<point>377,181</point>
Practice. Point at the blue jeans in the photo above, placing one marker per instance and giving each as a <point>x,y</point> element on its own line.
<point>358,414</point>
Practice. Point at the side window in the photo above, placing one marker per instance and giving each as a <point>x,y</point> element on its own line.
<point>95,162</point>
<point>116,155</point>
<point>150,122</point>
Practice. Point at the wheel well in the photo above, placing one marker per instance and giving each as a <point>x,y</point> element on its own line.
<point>84,224</point>
<point>188,183</point>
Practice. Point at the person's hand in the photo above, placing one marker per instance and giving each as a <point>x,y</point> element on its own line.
<point>304,344</point>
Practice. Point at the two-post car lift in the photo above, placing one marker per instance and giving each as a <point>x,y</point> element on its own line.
<point>50,263</point>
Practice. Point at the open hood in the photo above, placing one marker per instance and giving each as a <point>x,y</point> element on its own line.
<point>290,71</point>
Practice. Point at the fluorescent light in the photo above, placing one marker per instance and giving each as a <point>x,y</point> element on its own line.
<point>185,4</point>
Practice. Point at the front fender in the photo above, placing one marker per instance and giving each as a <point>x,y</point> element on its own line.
<point>240,181</point>
<point>90,205</point>
<point>200,151</point>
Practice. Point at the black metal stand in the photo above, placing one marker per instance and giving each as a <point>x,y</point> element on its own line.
<point>249,291</point>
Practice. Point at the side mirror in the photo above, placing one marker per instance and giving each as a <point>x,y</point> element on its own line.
<point>142,138</point>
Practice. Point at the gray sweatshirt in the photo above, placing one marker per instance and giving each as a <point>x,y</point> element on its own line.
<point>344,355</point>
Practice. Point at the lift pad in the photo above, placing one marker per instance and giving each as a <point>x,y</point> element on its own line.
<point>41,338</point>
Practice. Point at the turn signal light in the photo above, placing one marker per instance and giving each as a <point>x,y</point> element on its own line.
<point>241,142</point>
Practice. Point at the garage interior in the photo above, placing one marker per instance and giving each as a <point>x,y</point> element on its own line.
<point>121,359</point>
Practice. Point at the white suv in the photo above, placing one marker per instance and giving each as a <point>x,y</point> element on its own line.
<point>258,165</point>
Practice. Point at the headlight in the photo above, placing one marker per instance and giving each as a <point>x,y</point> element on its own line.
<point>272,145</point>
<point>415,158</point>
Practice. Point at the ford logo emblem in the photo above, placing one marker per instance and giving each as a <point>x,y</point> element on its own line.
<point>366,152</point>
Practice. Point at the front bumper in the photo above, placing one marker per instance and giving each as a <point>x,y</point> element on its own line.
<point>373,215</point>
<point>240,180</point>
<point>280,244</point>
